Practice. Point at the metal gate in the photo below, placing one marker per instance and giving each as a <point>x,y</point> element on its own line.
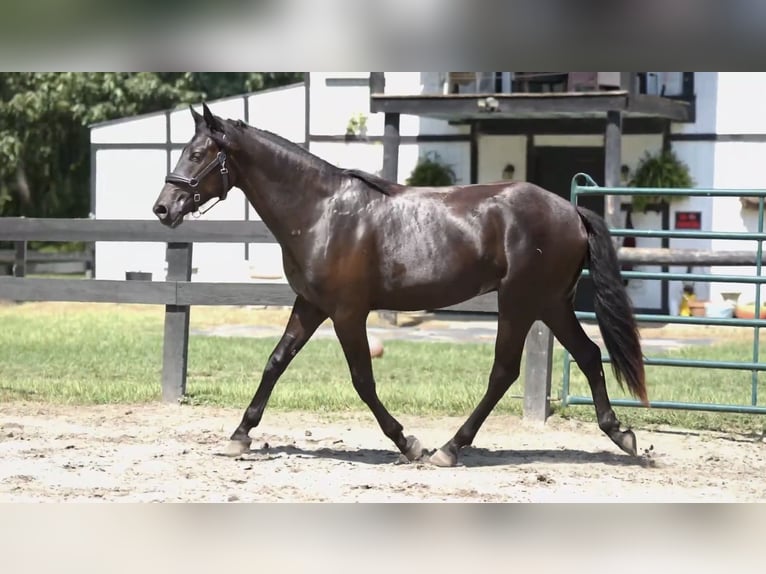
<point>582,185</point>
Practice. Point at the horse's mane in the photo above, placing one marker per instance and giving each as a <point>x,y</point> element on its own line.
<point>377,183</point>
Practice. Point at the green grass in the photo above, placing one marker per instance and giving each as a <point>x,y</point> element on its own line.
<point>113,354</point>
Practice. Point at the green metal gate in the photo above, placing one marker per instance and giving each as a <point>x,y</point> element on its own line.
<point>582,184</point>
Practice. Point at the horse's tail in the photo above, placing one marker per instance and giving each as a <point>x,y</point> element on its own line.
<point>613,308</point>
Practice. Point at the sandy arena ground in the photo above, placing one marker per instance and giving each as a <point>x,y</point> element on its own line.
<point>170,453</point>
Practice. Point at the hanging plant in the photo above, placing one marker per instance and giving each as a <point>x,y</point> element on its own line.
<point>430,171</point>
<point>660,170</point>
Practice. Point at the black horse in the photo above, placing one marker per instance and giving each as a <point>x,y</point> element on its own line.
<point>353,242</point>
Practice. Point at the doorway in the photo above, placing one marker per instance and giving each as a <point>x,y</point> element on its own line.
<point>553,168</point>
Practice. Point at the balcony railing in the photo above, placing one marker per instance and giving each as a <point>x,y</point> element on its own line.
<point>668,84</point>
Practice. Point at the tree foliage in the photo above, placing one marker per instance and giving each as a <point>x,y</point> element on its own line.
<point>44,118</point>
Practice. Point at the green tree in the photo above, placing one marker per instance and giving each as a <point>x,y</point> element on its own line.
<point>44,118</point>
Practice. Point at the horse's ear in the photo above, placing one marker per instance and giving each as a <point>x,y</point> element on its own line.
<point>213,123</point>
<point>198,119</point>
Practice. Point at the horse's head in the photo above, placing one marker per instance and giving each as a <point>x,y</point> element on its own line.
<point>201,173</point>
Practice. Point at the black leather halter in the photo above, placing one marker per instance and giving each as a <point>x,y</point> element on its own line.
<point>193,182</point>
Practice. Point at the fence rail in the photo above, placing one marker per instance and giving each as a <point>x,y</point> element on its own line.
<point>687,257</point>
<point>177,293</point>
<point>202,231</point>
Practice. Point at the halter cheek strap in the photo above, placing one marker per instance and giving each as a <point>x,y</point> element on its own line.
<point>193,182</point>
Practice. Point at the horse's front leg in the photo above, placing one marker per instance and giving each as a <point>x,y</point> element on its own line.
<point>303,322</point>
<point>352,334</point>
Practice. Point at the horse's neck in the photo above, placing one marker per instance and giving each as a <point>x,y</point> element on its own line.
<point>287,194</point>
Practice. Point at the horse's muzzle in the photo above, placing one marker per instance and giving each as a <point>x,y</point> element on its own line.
<point>170,208</point>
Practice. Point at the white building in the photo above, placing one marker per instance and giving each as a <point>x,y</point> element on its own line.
<point>713,121</point>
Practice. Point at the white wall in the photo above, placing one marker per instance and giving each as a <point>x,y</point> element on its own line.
<point>281,111</point>
<point>127,184</point>
<point>706,91</point>
<point>738,165</point>
<point>495,152</point>
<point>138,174</point>
<point>728,103</point>
<point>740,108</point>
<point>141,129</point>
<point>333,106</point>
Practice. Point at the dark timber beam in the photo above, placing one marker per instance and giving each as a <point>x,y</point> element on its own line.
<point>391,140</point>
<point>537,373</point>
<point>377,82</point>
<point>466,107</point>
<point>510,105</point>
<point>612,164</point>
<point>175,349</point>
<point>566,126</point>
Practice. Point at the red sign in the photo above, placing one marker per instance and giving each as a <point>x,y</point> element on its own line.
<point>688,220</point>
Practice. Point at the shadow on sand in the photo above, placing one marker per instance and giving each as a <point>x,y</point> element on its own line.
<point>469,457</point>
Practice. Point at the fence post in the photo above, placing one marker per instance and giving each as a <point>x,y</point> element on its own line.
<point>537,373</point>
<point>175,348</point>
<point>20,259</point>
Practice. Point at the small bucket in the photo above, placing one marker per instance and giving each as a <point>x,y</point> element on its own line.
<point>138,276</point>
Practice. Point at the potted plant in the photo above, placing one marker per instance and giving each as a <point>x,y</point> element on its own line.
<point>357,125</point>
<point>430,171</point>
<point>663,169</point>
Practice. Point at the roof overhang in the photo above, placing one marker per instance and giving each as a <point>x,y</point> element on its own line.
<point>461,108</point>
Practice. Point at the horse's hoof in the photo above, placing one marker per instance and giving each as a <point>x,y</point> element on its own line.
<point>626,441</point>
<point>414,449</point>
<point>237,448</point>
<point>443,458</point>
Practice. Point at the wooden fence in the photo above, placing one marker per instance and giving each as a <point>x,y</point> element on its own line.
<point>177,293</point>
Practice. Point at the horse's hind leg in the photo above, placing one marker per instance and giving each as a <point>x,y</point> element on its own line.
<point>513,325</point>
<point>303,322</point>
<point>564,324</point>
<point>352,334</point>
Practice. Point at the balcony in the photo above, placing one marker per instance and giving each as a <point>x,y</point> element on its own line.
<point>469,97</point>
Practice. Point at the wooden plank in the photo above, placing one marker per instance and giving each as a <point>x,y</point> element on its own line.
<point>612,166</point>
<point>670,108</point>
<point>9,256</point>
<point>694,257</point>
<point>390,171</point>
<point>567,126</point>
<point>508,105</point>
<point>175,347</point>
<point>87,290</point>
<point>486,303</point>
<point>38,229</point>
<point>377,82</point>
<point>20,259</point>
<point>273,294</point>
<point>457,106</point>
<point>537,373</point>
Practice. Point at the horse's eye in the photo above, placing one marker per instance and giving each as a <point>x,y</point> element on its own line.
<point>194,157</point>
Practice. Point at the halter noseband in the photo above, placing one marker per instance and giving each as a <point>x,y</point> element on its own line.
<point>193,182</point>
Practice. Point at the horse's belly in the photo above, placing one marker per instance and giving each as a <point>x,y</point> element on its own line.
<point>434,284</point>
